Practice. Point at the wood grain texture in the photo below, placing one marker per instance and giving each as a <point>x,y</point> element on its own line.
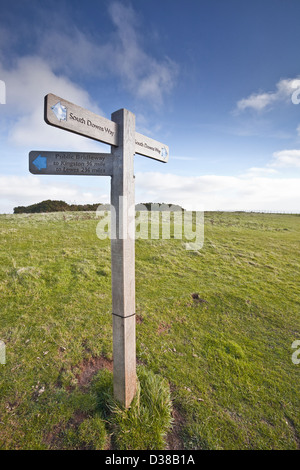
<point>124,364</point>
<point>123,216</point>
<point>123,259</point>
<point>80,120</point>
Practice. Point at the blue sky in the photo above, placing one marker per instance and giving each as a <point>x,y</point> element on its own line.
<point>215,80</point>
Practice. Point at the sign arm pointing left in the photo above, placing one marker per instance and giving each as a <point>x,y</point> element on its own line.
<point>70,163</point>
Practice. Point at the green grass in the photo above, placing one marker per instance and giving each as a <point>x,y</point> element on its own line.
<point>226,353</point>
<point>145,424</point>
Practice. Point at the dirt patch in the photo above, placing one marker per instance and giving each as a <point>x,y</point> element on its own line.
<point>291,424</point>
<point>139,319</point>
<point>163,328</point>
<point>197,299</point>
<point>89,367</point>
<point>174,439</point>
<point>55,439</point>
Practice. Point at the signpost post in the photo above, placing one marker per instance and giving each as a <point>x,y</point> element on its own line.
<point>119,164</point>
<point>123,259</point>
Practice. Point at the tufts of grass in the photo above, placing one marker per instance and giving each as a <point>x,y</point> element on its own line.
<point>102,387</point>
<point>92,434</point>
<point>145,424</point>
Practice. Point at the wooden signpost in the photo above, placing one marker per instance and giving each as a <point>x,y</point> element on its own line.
<point>119,132</point>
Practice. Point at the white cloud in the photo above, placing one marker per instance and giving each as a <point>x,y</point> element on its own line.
<point>123,56</point>
<point>257,171</point>
<point>26,190</point>
<point>183,158</point>
<point>257,101</point>
<point>262,100</point>
<point>29,187</point>
<point>27,83</point>
<point>212,192</point>
<point>286,159</point>
<point>143,74</point>
<point>207,192</point>
<point>32,77</point>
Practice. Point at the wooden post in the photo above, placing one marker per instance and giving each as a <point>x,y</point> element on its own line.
<point>123,258</point>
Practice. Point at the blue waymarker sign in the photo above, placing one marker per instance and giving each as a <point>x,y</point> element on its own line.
<point>40,162</point>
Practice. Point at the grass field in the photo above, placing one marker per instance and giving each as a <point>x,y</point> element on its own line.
<point>214,326</point>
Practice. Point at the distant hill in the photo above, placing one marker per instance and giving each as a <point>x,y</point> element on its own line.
<point>154,206</point>
<point>61,206</point>
<point>54,206</point>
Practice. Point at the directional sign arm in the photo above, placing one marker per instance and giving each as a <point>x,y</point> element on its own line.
<point>151,148</point>
<point>70,117</point>
<point>70,163</point>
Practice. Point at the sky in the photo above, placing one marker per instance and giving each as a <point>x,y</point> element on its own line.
<point>217,81</point>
